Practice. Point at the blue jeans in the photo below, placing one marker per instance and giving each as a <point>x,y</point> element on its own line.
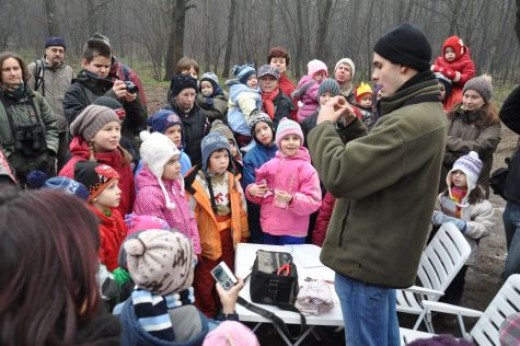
<point>282,239</point>
<point>511,218</point>
<point>368,312</point>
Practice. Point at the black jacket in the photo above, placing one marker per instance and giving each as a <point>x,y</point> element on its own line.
<point>510,116</point>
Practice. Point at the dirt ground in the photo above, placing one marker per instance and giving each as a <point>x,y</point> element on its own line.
<point>482,281</point>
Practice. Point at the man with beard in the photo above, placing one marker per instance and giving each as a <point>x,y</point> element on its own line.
<point>51,77</point>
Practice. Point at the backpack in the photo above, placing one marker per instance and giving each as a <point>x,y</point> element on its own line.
<point>38,72</point>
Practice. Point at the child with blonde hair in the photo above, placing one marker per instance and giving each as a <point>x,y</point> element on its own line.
<point>287,188</point>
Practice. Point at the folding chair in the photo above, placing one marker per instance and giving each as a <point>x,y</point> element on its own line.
<point>486,330</point>
<point>440,262</point>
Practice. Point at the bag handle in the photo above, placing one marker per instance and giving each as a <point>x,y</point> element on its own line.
<point>274,318</point>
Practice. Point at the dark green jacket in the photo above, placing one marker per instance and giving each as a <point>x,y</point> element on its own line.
<point>21,111</point>
<point>386,185</point>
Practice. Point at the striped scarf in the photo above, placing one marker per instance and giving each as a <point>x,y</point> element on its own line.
<point>457,195</point>
<point>151,311</point>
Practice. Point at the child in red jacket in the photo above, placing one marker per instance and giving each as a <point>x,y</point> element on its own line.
<point>456,65</point>
<point>104,196</point>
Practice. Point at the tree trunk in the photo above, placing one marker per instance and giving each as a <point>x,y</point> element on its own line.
<point>231,31</point>
<point>323,28</point>
<point>53,26</point>
<point>169,62</point>
<point>270,24</point>
<point>91,18</point>
<point>175,49</point>
<point>517,24</point>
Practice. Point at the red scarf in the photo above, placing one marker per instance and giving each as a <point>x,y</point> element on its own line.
<point>267,102</point>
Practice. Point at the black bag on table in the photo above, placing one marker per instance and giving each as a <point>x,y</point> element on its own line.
<point>274,281</point>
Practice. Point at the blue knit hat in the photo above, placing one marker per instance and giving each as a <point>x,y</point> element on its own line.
<point>55,41</point>
<point>243,72</point>
<point>162,120</point>
<point>67,185</point>
<point>212,142</point>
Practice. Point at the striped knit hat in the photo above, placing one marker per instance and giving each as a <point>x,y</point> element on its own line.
<point>471,166</point>
<point>329,85</point>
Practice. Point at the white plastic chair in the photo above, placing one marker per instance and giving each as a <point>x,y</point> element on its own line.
<point>440,262</point>
<point>486,330</point>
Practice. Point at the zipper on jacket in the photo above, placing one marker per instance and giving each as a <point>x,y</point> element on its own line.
<point>343,224</point>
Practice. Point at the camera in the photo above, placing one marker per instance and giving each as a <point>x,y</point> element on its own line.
<point>131,87</point>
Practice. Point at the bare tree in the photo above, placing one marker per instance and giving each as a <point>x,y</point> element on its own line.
<point>175,49</point>
<point>53,26</point>
<point>230,34</point>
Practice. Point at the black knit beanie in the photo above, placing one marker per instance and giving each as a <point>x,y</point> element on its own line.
<point>406,45</point>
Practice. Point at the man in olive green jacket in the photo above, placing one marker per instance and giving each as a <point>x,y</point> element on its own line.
<point>385,184</point>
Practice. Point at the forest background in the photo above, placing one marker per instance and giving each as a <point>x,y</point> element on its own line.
<point>152,35</point>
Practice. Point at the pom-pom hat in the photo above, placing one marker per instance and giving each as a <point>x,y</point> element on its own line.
<point>471,166</point>
<point>160,261</point>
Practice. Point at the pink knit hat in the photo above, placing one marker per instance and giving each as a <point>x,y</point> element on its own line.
<point>231,333</point>
<point>315,66</point>
<point>137,223</point>
<point>287,127</point>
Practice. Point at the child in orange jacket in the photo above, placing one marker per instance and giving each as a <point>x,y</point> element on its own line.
<point>218,202</point>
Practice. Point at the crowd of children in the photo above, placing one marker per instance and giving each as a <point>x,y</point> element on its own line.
<point>222,168</point>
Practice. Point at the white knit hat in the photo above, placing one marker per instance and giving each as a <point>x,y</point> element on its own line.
<point>348,62</point>
<point>471,166</point>
<point>156,150</point>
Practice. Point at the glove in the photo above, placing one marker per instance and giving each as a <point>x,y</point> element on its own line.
<point>121,276</point>
<point>449,73</point>
<point>437,218</point>
<point>460,224</point>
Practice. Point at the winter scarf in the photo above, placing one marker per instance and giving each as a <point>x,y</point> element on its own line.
<point>268,104</point>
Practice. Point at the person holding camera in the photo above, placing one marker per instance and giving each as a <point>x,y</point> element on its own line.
<point>28,126</point>
<point>94,81</point>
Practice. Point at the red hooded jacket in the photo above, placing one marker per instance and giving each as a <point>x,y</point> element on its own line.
<point>115,159</point>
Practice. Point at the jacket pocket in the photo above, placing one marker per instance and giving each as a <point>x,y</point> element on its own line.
<point>344,225</point>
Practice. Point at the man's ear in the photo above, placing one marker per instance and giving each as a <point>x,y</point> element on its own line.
<point>84,63</point>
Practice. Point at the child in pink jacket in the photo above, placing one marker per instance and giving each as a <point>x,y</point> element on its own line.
<point>161,186</point>
<point>287,188</point>
<point>307,90</point>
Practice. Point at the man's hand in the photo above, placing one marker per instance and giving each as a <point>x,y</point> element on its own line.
<point>334,109</point>
<point>119,88</point>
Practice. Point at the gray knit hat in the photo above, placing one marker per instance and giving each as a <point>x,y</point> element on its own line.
<point>212,142</point>
<point>91,120</point>
<point>482,85</point>
<point>329,85</point>
<point>160,261</point>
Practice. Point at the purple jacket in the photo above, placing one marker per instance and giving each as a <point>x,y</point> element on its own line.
<point>307,93</point>
<point>294,175</point>
<point>150,201</point>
